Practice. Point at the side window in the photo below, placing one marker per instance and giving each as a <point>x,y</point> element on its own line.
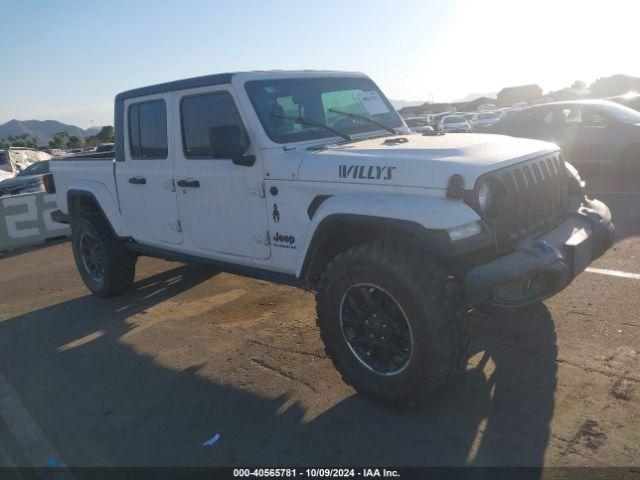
<point>571,115</point>
<point>592,118</point>
<point>208,121</point>
<point>148,130</point>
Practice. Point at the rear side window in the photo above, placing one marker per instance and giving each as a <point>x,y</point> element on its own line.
<point>148,130</point>
<point>202,113</point>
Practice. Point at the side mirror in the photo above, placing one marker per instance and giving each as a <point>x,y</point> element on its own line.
<point>230,141</point>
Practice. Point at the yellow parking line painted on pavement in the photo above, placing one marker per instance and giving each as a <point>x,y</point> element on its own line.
<point>614,273</point>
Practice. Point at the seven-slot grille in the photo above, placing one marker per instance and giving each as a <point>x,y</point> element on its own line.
<point>537,199</point>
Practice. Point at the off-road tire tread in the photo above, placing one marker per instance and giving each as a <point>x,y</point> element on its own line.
<point>121,264</point>
<point>440,300</point>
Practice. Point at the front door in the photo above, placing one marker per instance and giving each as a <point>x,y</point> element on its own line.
<point>222,204</point>
<point>145,178</point>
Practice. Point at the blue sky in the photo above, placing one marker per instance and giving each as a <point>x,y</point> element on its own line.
<point>66,60</point>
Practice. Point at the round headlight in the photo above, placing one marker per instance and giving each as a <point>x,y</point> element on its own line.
<point>485,196</point>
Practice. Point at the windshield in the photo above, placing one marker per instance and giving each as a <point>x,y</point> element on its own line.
<point>313,99</point>
<point>622,113</point>
<point>487,116</point>
<point>453,119</point>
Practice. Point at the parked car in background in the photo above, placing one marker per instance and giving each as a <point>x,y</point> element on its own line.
<point>454,124</point>
<point>29,180</point>
<point>467,116</point>
<point>588,131</point>
<point>15,159</point>
<point>483,119</point>
<point>437,117</point>
<point>418,125</point>
<point>105,147</point>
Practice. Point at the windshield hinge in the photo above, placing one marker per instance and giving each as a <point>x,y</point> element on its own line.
<point>176,226</point>
<point>258,190</point>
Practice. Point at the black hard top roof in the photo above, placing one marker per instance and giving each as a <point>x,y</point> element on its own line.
<point>216,79</point>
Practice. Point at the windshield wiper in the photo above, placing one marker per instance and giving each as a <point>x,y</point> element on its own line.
<point>366,119</point>
<point>312,123</point>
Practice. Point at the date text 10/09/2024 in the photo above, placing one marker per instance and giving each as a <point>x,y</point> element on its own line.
<point>316,472</point>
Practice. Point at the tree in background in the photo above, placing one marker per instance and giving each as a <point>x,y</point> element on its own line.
<point>19,141</point>
<point>105,135</point>
<point>615,85</point>
<point>58,139</point>
<point>578,85</point>
<point>74,142</point>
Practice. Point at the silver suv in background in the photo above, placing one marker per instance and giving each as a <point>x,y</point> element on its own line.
<point>453,124</point>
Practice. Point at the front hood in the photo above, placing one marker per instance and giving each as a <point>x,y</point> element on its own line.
<point>422,161</point>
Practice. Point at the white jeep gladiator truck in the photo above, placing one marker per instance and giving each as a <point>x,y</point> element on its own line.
<point>312,179</point>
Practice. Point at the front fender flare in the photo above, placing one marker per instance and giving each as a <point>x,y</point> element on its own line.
<point>417,213</point>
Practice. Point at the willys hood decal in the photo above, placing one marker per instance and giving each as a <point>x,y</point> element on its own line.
<point>421,161</point>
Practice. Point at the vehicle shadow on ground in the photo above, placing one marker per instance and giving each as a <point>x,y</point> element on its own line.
<point>497,413</point>
<point>100,402</point>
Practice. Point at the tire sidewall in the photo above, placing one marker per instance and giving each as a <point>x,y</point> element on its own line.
<point>417,305</point>
<point>81,226</point>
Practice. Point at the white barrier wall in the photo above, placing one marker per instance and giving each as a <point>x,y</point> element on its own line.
<point>25,220</point>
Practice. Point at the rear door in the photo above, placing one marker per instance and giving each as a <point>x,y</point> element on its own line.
<point>596,139</point>
<point>145,178</point>
<point>222,204</point>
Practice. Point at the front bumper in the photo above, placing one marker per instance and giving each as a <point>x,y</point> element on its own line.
<point>544,265</point>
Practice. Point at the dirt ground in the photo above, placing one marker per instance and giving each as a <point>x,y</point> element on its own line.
<point>147,377</point>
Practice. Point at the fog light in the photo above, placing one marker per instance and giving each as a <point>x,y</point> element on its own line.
<point>464,231</point>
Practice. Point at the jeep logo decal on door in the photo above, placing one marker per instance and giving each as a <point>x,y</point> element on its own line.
<point>366,172</point>
<point>284,241</point>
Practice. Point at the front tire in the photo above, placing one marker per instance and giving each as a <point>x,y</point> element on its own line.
<point>406,337</point>
<point>105,266</point>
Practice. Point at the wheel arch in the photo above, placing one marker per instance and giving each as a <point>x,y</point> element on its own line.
<point>338,232</point>
<point>100,199</point>
<point>342,221</point>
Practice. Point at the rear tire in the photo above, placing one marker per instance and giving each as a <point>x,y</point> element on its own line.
<point>105,266</point>
<point>426,298</point>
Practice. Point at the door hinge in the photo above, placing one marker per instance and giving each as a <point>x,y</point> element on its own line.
<point>262,238</point>
<point>176,226</point>
<point>170,185</point>
<point>258,190</point>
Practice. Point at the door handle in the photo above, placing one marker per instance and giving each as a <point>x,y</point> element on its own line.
<point>188,183</point>
<point>138,180</point>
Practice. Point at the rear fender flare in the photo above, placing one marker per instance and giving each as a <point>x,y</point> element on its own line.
<point>104,200</point>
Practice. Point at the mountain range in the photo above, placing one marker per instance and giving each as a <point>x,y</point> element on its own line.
<point>398,104</point>
<point>43,130</point>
